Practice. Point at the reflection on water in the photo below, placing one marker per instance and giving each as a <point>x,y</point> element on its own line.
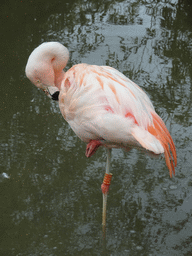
<point>51,202</point>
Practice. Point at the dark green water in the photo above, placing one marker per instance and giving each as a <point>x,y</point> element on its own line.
<point>51,204</point>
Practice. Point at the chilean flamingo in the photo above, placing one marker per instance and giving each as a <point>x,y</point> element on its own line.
<point>102,106</point>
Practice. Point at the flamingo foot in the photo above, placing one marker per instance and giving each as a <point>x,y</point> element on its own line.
<point>92,146</point>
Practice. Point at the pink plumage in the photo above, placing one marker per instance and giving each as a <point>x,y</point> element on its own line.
<point>102,106</point>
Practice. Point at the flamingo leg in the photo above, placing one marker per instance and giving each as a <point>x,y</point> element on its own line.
<point>105,188</point>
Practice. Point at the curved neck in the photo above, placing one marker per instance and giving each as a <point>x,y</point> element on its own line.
<point>59,76</point>
<point>57,56</point>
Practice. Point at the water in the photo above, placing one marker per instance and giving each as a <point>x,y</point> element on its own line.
<point>51,203</point>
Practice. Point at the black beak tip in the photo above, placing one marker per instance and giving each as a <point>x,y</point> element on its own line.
<point>55,96</point>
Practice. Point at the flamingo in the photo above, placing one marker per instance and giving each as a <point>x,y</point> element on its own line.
<point>102,106</point>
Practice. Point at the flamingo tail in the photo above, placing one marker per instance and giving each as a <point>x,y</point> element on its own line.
<point>159,130</point>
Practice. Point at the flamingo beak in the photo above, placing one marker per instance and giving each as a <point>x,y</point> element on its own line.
<point>52,92</point>
<point>55,96</point>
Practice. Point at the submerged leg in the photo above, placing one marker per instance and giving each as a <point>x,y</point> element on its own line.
<point>105,187</point>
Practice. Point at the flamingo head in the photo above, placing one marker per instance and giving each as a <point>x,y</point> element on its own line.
<point>45,67</point>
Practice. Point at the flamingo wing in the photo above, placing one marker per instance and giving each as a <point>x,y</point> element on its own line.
<point>99,102</point>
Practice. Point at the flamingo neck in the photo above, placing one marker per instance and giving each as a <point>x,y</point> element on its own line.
<point>59,76</point>
<point>57,56</point>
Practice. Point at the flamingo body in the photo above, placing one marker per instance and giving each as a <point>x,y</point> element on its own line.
<point>102,106</point>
